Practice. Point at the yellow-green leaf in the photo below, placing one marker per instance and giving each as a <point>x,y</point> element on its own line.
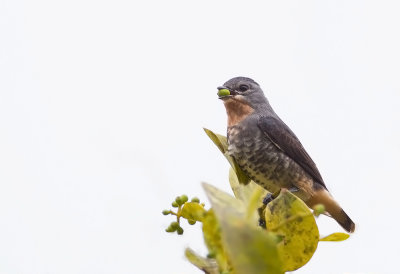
<point>212,238</point>
<point>193,211</point>
<point>335,237</point>
<point>241,191</point>
<point>251,194</point>
<point>221,142</point>
<point>209,266</point>
<point>289,217</point>
<point>251,249</point>
<point>242,177</point>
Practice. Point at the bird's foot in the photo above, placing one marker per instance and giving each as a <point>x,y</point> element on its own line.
<point>261,211</point>
<point>270,197</point>
<point>261,220</point>
<point>267,199</point>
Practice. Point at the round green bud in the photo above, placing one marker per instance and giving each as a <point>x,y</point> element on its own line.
<point>170,229</point>
<point>184,198</point>
<point>195,200</point>
<point>178,200</point>
<point>166,212</point>
<point>191,222</point>
<point>174,225</point>
<point>179,230</point>
<point>175,204</point>
<point>319,209</point>
<point>223,92</point>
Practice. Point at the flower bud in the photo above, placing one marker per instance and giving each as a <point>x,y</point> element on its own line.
<point>184,198</point>
<point>191,222</point>
<point>179,230</point>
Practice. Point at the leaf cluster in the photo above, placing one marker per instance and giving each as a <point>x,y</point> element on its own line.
<point>235,241</point>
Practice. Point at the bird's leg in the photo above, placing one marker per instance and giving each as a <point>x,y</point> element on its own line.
<point>268,198</point>
<point>261,220</point>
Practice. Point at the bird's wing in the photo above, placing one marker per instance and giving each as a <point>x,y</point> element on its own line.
<point>284,139</point>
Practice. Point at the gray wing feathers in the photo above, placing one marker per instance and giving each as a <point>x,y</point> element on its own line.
<point>284,139</point>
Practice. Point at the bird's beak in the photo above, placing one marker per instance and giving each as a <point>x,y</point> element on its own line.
<point>224,93</point>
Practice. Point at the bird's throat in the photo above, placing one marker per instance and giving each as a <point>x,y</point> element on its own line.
<point>237,111</point>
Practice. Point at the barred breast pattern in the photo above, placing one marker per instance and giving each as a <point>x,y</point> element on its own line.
<point>262,161</point>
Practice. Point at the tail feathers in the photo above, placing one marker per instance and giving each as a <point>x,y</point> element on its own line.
<point>344,220</point>
<point>333,208</point>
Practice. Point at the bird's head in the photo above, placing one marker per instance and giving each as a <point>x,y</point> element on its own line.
<point>242,90</point>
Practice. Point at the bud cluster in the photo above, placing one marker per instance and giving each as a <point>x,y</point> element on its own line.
<point>179,203</point>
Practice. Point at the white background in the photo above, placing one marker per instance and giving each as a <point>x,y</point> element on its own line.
<point>102,105</point>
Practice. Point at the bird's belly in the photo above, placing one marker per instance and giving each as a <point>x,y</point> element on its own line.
<point>263,162</point>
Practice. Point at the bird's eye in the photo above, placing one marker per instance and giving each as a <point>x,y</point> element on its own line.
<point>243,88</point>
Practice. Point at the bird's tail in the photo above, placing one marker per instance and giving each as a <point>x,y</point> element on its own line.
<point>333,208</point>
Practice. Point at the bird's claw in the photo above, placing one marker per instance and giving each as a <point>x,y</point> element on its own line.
<point>268,198</point>
<point>261,222</point>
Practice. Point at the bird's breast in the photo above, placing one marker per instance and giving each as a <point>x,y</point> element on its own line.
<point>259,158</point>
<point>237,110</point>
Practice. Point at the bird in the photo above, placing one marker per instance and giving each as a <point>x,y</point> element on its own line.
<point>268,151</point>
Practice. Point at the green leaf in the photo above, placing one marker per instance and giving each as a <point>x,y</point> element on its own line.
<point>221,200</point>
<point>193,211</point>
<point>251,194</point>
<point>212,238</point>
<point>289,217</point>
<point>221,142</point>
<point>241,191</point>
<point>207,265</point>
<point>251,249</point>
<point>335,237</point>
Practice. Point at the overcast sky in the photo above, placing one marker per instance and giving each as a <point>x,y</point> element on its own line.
<point>102,105</point>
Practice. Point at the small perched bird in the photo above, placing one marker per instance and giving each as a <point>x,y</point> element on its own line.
<point>267,150</point>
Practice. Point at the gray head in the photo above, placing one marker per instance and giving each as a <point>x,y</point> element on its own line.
<point>245,90</point>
